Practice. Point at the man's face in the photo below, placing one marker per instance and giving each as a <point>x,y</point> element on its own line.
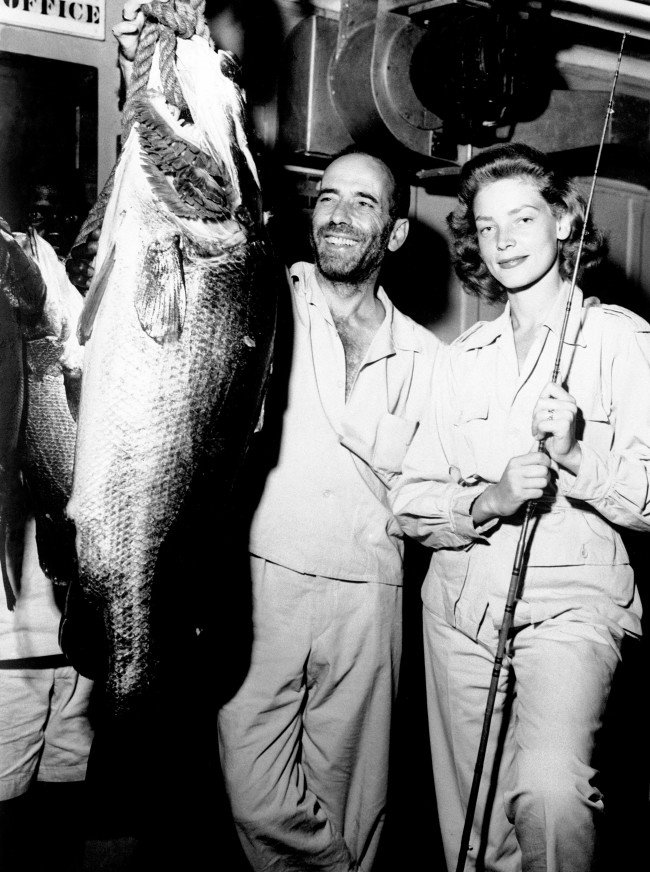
<point>49,217</point>
<point>351,226</point>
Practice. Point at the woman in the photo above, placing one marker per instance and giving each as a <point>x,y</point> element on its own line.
<point>468,474</point>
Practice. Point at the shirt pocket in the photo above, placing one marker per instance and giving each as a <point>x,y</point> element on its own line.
<point>472,407</point>
<point>572,538</point>
<point>472,439</point>
<point>445,582</point>
<point>594,428</point>
<point>394,435</point>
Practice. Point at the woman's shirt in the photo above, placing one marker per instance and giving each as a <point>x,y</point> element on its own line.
<point>480,416</point>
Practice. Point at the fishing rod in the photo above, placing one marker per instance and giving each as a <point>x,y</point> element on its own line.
<point>518,564</point>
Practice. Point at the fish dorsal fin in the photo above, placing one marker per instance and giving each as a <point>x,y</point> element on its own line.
<point>161,298</point>
<point>94,297</point>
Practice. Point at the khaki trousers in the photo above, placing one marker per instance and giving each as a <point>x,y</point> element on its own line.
<point>304,742</point>
<point>538,805</point>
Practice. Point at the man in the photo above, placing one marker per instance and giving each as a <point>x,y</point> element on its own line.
<point>304,741</point>
<point>45,729</point>
<point>56,207</point>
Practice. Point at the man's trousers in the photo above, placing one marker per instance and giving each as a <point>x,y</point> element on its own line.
<point>304,742</point>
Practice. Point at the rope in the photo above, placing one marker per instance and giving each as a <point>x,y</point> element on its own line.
<point>164,22</point>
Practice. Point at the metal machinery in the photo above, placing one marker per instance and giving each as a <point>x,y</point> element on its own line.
<point>427,79</point>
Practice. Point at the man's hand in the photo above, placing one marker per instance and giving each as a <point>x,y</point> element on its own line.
<point>524,479</point>
<point>127,32</point>
<point>79,264</point>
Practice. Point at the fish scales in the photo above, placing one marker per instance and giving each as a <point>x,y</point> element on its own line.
<point>45,308</point>
<point>47,461</point>
<point>53,370</point>
<point>171,395</point>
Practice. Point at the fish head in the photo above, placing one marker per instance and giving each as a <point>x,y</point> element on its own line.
<point>211,84</point>
<point>196,156</point>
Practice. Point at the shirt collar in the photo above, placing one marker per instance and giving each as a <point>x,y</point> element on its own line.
<point>487,332</point>
<point>555,317</point>
<point>490,331</point>
<point>396,330</point>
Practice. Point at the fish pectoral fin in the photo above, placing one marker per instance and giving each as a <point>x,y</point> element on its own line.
<point>161,297</point>
<point>94,298</point>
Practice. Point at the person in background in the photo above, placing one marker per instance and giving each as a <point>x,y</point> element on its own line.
<point>56,207</point>
<point>472,467</point>
<point>304,742</point>
<point>45,730</point>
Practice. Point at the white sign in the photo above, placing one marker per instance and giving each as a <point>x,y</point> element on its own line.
<point>76,17</point>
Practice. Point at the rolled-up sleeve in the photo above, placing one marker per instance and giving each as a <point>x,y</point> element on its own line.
<point>427,499</point>
<point>616,483</point>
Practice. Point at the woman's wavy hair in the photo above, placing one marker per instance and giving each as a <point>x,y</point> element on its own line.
<point>517,160</point>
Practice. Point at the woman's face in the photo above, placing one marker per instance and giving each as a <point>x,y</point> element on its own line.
<point>518,233</point>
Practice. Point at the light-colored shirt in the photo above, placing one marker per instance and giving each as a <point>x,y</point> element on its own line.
<point>31,629</point>
<point>480,416</point>
<point>323,510</point>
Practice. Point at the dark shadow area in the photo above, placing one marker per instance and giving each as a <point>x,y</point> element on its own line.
<point>252,29</point>
<point>154,775</point>
<point>609,283</point>
<point>411,837</point>
<point>628,162</point>
<point>624,752</point>
<point>291,197</point>
<point>45,102</point>
<point>417,276</point>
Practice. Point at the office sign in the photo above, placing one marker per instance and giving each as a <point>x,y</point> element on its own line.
<point>75,17</point>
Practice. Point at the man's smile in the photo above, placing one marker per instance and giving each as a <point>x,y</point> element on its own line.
<point>339,240</point>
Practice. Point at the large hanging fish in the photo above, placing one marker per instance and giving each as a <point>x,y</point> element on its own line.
<point>178,327</point>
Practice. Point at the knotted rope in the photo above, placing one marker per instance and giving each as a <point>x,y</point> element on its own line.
<point>164,23</point>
